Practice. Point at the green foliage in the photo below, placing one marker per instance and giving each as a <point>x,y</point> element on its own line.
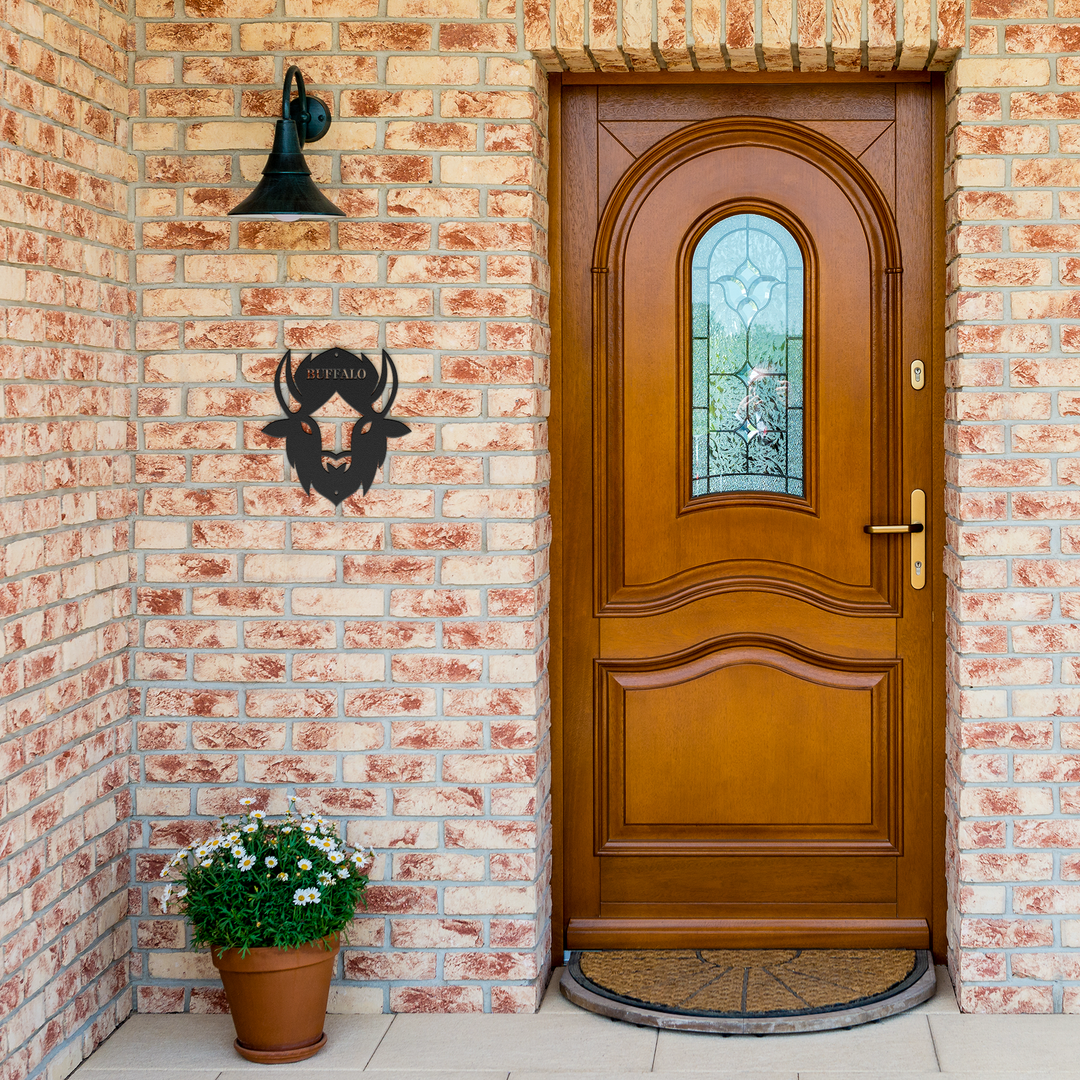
<point>260,883</point>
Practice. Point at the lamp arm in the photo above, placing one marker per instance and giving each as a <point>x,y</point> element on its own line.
<point>295,73</point>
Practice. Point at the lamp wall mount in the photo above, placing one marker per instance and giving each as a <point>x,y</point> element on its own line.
<point>310,115</point>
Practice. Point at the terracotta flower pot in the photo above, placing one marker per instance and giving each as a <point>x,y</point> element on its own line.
<point>278,999</point>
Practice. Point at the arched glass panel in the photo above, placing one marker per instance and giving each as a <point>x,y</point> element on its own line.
<point>747,330</point>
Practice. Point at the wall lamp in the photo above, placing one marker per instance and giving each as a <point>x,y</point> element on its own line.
<point>286,191</point>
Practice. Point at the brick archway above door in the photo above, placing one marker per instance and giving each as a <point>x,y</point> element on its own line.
<point>642,35</point>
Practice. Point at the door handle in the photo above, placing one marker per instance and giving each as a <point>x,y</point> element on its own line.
<point>917,529</point>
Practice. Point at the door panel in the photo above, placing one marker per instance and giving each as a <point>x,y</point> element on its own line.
<point>748,743</point>
<point>801,755</point>
<point>735,541</point>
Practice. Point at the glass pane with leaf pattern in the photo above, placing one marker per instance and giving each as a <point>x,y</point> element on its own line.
<point>747,357</point>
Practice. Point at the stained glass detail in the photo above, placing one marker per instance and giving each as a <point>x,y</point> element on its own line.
<point>747,353</point>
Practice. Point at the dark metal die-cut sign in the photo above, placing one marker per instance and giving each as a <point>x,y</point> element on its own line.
<point>336,475</point>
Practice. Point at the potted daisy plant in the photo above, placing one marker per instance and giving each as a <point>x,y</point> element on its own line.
<point>271,899</point>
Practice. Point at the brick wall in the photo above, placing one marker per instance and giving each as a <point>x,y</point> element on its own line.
<point>66,372</point>
<point>384,661</point>
<point>1012,437</point>
<point>387,661</point>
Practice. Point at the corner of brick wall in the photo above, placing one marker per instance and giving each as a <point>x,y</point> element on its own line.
<point>1013,378</point>
<point>66,372</point>
<point>386,660</point>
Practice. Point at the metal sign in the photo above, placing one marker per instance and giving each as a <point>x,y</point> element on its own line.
<point>336,474</point>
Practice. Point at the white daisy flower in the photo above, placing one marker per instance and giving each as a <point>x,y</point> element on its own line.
<point>232,837</point>
<point>201,851</point>
<point>325,879</point>
<point>309,827</point>
<point>251,826</point>
<point>165,897</point>
<point>283,876</point>
<point>258,815</point>
<point>304,864</point>
<point>325,843</point>
<point>343,872</point>
<point>247,802</point>
<point>247,862</point>
<point>181,893</point>
<point>238,851</point>
<point>336,857</point>
<point>306,896</point>
<point>207,862</point>
<point>270,861</point>
<point>287,829</point>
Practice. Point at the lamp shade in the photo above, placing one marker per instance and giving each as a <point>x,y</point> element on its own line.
<point>286,190</point>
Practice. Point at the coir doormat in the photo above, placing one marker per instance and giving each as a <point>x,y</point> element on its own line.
<point>750,990</point>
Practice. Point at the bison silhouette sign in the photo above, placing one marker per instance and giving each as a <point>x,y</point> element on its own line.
<point>336,475</point>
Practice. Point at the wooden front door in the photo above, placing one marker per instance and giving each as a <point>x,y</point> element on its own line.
<point>749,752</point>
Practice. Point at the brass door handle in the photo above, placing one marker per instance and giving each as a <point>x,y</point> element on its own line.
<point>876,530</point>
<point>918,541</point>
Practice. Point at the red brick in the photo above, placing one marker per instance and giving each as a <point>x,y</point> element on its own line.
<point>191,768</point>
<point>435,933</point>
<point>384,702</point>
<point>436,999</point>
<point>385,965</point>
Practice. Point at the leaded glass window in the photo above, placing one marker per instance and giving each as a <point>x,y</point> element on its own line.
<point>747,297</point>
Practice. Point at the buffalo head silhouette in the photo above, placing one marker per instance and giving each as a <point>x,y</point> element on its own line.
<point>316,380</point>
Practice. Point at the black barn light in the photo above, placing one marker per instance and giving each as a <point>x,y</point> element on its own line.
<point>286,190</point>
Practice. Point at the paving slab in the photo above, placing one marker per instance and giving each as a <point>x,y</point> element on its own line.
<point>830,1074</point>
<point>206,1043</point>
<point>359,1074</point>
<point>877,1075</point>
<point>553,1001</point>
<point>984,1044</point>
<point>559,1043</point>
<point>720,1075</point>
<point>944,999</point>
<point>900,1044</point>
<point>147,1073</point>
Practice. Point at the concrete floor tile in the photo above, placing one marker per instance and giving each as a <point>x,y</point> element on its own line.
<point>553,1001</point>
<point>944,999</point>
<point>1013,1075</point>
<point>982,1044</point>
<point>369,1074</point>
<point>899,1044</point>
<point>557,1044</point>
<point>155,1043</point>
<point>832,1074</point>
<point>719,1075</point>
<point>146,1073</point>
<point>427,1074</point>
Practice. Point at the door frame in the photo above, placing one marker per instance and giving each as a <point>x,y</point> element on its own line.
<point>936,500</point>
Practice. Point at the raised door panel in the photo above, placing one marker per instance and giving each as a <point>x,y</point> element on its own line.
<point>769,748</point>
